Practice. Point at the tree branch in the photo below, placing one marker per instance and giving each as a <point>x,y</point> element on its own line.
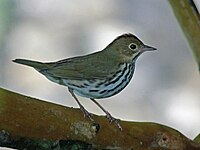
<point>26,122</point>
<point>189,20</point>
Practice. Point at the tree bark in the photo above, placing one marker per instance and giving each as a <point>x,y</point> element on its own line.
<point>30,123</point>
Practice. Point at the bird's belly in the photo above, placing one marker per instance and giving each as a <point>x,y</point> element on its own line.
<point>101,88</point>
<point>102,91</point>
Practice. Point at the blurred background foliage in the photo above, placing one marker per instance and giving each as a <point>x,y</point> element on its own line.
<point>166,84</point>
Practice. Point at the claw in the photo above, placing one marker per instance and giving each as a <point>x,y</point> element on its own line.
<point>113,120</point>
<point>108,115</point>
<point>86,113</point>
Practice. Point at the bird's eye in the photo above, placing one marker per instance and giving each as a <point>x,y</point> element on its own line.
<point>132,46</point>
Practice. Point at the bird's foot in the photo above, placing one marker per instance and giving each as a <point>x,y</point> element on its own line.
<point>86,113</point>
<point>113,120</point>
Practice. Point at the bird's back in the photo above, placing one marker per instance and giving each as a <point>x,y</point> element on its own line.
<point>92,66</point>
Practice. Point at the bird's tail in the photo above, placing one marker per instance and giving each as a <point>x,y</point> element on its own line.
<point>37,65</point>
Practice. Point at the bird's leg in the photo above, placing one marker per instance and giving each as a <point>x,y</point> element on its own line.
<point>108,115</point>
<point>85,112</point>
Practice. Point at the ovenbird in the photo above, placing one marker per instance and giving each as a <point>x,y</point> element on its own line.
<point>98,75</point>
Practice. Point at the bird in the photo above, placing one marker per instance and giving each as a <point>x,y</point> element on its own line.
<point>97,75</point>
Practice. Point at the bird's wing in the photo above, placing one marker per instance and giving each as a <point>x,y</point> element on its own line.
<point>83,67</point>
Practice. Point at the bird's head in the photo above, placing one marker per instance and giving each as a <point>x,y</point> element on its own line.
<point>128,47</point>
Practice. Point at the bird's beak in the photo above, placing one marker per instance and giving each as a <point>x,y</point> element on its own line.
<point>147,48</point>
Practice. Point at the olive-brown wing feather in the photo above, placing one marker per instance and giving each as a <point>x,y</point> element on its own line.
<point>84,67</point>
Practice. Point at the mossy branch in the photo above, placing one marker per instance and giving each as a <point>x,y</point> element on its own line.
<point>189,20</point>
<point>30,123</point>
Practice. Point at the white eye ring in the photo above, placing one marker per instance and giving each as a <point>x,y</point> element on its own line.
<point>132,46</point>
